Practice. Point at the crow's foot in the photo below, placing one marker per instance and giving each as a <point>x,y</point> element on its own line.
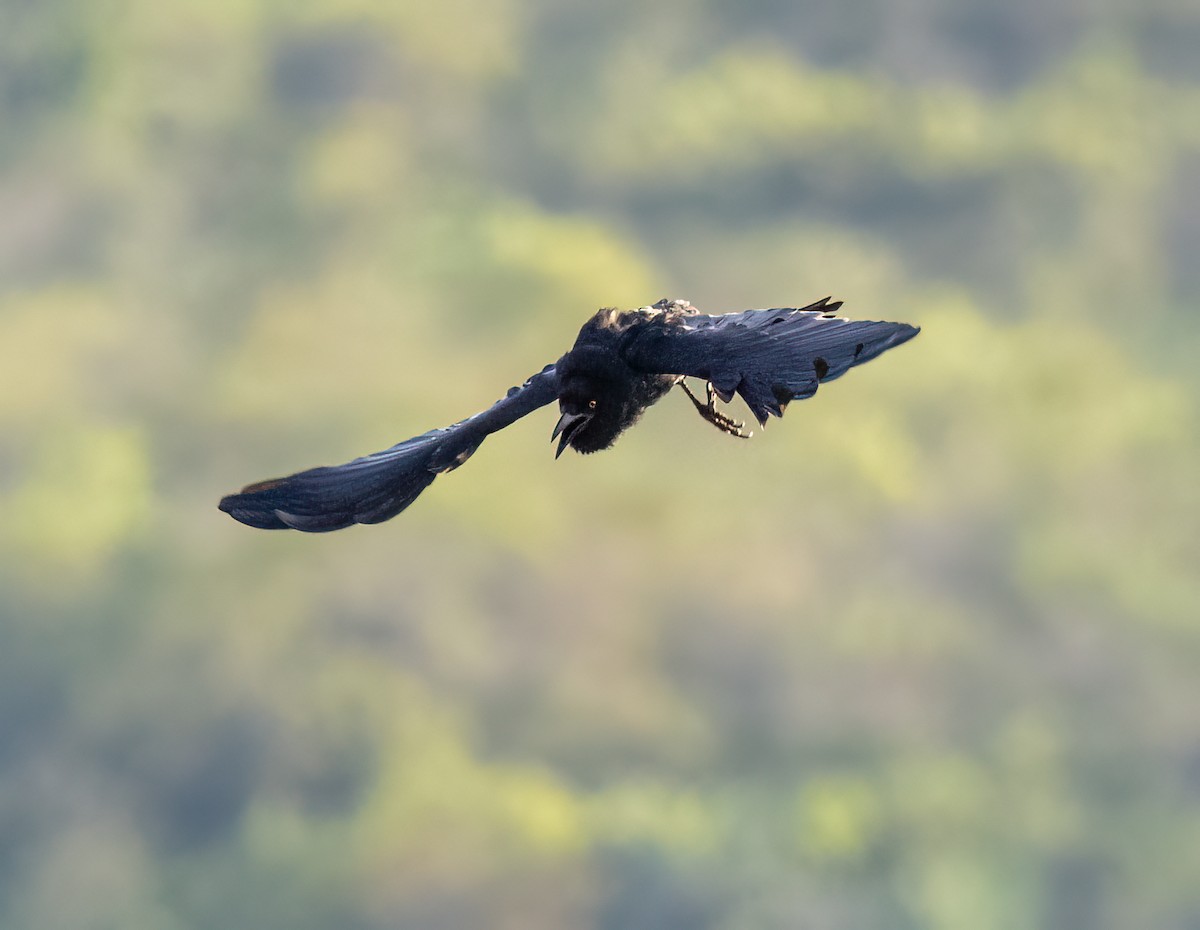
<point>709,411</point>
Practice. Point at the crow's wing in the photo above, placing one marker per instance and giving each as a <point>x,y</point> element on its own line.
<point>768,357</point>
<point>376,487</point>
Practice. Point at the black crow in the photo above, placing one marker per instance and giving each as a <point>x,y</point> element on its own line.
<point>621,363</point>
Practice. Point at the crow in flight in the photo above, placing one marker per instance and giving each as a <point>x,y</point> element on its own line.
<point>621,363</point>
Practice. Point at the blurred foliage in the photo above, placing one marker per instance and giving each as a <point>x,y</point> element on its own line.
<point>922,656</point>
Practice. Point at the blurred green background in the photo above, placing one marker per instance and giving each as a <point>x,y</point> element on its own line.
<point>926,654</point>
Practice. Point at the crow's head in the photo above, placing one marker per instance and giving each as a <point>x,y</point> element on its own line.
<point>592,414</point>
<point>599,398</point>
<point>599,395</point>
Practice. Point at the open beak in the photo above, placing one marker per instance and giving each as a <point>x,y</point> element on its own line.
<point>568,425</point>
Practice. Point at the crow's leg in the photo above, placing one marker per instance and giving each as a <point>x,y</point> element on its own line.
<point>714,416</point>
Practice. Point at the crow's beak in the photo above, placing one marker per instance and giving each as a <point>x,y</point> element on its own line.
<point>568,425</point>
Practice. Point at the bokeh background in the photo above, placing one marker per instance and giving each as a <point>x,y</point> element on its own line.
<point>926,654</point>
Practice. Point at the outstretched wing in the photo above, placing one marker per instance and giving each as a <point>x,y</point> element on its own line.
<point>376,487</point>
<point>768,357</point>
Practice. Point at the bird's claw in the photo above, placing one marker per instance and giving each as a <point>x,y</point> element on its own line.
<point>708,410</point>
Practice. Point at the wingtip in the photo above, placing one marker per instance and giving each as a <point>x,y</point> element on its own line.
<point>242,503</point>
<point>229,504</point>
<point>249,512</point>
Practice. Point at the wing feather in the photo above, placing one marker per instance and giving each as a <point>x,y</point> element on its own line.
<point>376,487</point>
<point>768,357</point>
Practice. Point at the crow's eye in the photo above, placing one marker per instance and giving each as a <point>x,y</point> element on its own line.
<point>591,405</point>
